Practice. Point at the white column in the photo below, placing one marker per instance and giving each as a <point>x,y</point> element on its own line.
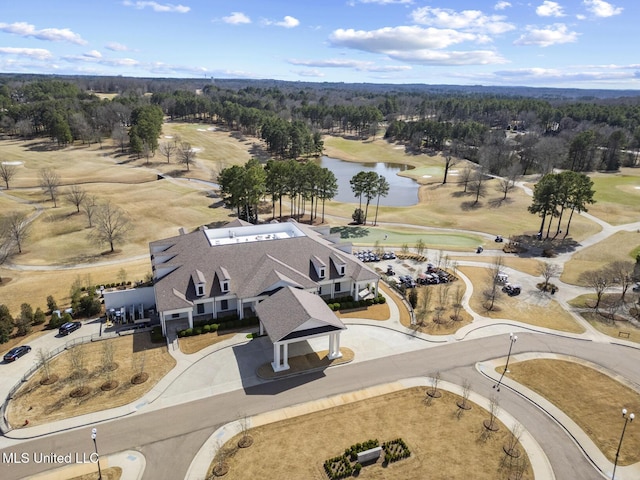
<point>163,322</point>
<point>334,350</point>
<point>190,313</point>
<point>240,309</point>
<point>276,357</point>
<point>285,357</point>
<point>261,327</point>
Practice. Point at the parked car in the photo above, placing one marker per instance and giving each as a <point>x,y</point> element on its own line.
<point>511,290</point>
<point>67,328</point>
<point>636,287</point>
<point>15,353</point>
<point>390,270</point>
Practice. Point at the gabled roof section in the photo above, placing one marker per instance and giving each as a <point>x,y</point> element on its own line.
<point>197,277</point>
<point>238,223</point>
<point>290,308</point>
<point>268,272</point>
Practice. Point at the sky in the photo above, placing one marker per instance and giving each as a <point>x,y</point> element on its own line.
<point>542,43</point>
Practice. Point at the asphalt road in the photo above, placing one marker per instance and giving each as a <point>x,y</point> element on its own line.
<point>169,438</point>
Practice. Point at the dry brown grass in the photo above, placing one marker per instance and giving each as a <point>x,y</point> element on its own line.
<point>111,473</point>
<point>589,397</point>
<point>58,283</point>
<point>545,313</point>
<point>442,443</point>
<point>616,247</point>
<point>47,403</point>
<point>189,345</point>
<point>446,325</point>
<point>525,265</point>
<point>613,328</point>
<point>374,312</point>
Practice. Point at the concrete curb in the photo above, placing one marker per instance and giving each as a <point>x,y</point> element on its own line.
<point>131,462</point>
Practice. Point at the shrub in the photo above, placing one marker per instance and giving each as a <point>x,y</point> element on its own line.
<point>213,327</point>
<point>188,332</point>
<point>51,304</point>
<point>206,328</point>
<point>38,317</point>
<point>56,321</point>
<point>197,331</point>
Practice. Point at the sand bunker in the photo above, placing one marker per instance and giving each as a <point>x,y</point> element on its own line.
<point>211,129</point>
<point>168,136</point>
<point>426,176</point>
<point>637,188</point>
<point>196,149</point>
<point>12,163</point>
<point>201,129</point>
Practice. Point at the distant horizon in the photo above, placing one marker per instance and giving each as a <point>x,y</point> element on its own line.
<point>320,82</point>
<point>583,44</point>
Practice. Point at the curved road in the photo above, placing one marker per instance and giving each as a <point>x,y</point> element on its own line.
<point>177,432</point>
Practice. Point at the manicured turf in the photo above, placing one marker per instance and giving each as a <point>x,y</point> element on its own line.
<point>363,235</point>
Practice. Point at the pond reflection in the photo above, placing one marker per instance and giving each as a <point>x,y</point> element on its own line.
<point>403,191</point>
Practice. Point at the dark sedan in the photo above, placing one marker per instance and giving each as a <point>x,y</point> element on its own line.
<point>15,353</point>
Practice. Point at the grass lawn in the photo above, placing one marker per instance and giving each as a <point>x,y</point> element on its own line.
<point>40,284</point>
<point>42,404</point>
<point>613,328</point>
<point>189,345</point>
<point>617,196</point>
<point>619,246</point>
<point>525,265</point>
<point>589,397</point>
<point>534,310</point>
<point>442,443</point>
<point>368,235</point>
<point>374,312</point>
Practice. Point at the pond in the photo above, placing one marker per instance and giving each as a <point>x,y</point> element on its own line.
<point>403,191</point>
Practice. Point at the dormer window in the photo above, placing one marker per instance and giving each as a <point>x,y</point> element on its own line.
<point>225,286</point>
<point>319,266</point>
<point>321,272</point>
<point>200,290</point>
<point>199,282</point>
<point>340,264</point>
<point>341,269</point>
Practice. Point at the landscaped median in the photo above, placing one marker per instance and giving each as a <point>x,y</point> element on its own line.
<point>439,434</point>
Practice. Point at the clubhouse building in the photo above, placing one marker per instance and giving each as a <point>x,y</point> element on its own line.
<point>281,272</point>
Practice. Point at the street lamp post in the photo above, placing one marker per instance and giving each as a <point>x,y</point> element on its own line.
<point>512,339</point>
<point>624,427</point>
<point>94,434</point>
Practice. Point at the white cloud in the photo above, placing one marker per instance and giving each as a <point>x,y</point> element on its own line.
<point>93,54</point>
<point>440,57</point>
<point>37,53</point>
<point>24,29</point>
<point>501,5</point>
<point>157,7</point>
<point>550,9</point>
<point>545,37</point>
<point>600,8</point>
<point>355,64</point>
<point>398,38</point>
<point>116,47</point>
<point>581,17</point>
<point>472,20</point>
<point>286,22</point>
<point>310,73</point>
<point>236,18</point>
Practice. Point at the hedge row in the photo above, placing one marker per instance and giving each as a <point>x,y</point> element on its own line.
<point>338,467</point>
<point>353,451</point>
<point>213,327</point>
<point>349,304</point>
<point>395,450</point>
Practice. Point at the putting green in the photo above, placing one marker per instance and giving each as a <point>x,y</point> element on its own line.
<point>365,235</point>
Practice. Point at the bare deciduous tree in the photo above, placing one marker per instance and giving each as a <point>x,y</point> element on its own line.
<point>75,196</point>
<point>44,363</point>
<point>17,227</point>
<point>77,359</point>
<point>120,135</point>
<point>622,273</point>
<point>466,392</point>
<point>492,291</point>
<point>509,178</point>
<point>477,186</point>
<point>548,271</point>
<point>112,224</point>
<point>186,154</point>
<point>168,149</point>
<point>442,298</point>
<point>465,176</point>
<point>458,295</point>
<point>89,207</point>
<point>494,410</point>
<point>511,447</point>
<point>600,280</point>
<point>424,304</point>
<point>435,381</point>
<point>49,183</point>
<point>7,172</point>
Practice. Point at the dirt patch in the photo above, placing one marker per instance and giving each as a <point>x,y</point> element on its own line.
<point>111,473</point>
<point>589,397</point>
<point>47,403</point>
<point>401,414</point>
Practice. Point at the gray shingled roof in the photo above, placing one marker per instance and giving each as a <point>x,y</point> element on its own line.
<point>290,308</point>
<point>250,266</point>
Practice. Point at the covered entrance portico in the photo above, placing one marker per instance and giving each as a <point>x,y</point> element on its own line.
<point>294,315</point>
